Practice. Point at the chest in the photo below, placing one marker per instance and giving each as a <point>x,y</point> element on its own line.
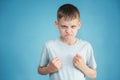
<point>66,54</point>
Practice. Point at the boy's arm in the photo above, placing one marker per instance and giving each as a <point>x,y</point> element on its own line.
<point>43,70</point>
<point>80,64</point>
<point>54,66</point>
<point>89,72</point>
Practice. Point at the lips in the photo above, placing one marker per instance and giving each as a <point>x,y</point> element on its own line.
<point>67,35</point>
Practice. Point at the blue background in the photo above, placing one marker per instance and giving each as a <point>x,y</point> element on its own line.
<point>26,25</point>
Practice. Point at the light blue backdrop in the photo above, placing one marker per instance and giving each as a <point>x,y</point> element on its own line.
<point>26,25</point>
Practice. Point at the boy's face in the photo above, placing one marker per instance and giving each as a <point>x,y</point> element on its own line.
<point>68,28</point>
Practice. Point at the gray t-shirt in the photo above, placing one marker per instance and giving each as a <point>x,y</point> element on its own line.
<point>66,53</point>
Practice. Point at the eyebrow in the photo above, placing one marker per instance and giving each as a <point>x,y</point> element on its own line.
<point>64,26</point>
<point>67,26</point>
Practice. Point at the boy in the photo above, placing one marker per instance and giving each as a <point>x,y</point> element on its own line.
<point>68,58</point>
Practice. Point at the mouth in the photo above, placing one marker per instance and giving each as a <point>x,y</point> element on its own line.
<point>68,35</point>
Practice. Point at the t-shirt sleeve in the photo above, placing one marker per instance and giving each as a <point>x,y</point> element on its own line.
<point>90,58</point>
<point>44,59</point>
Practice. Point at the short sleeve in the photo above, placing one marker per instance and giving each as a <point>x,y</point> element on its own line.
<point>90,58</point>
<point>44,59</point>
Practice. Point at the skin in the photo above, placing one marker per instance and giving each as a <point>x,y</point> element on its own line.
<point>79,63</point>
<point>68,30</point>
<point>53,67</point>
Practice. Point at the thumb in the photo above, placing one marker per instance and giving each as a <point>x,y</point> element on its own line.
<point>78,55</point>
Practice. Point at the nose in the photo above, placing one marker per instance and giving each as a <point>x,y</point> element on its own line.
<point>68,31</point>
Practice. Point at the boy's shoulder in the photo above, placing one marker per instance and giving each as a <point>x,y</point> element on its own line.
<point>50,42</point>
<point>84,43</point>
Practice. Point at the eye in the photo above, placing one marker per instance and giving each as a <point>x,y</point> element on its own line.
<point>73,26</point>
<point>63,26</point>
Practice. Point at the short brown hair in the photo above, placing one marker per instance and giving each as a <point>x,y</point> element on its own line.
<point>68,11</point>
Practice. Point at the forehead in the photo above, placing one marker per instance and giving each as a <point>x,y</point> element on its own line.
<point>63,21</point>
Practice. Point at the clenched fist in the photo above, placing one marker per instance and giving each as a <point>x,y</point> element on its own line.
<point>54,65</point>
<point>78,62</point>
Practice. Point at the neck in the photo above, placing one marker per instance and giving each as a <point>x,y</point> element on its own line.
<point>68,41</point>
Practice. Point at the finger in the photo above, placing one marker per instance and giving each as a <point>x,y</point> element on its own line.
<point>59,64</point>
<point>79,56</point>
<point>55,59</point>
<point>75,61</point>
<point>76,58</point>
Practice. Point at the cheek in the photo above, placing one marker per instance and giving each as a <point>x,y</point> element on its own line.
<point>75,32</point>
<point>61,32</point>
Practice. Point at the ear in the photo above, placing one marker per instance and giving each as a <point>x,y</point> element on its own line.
<point>56,24</point>
<point>80,23</point>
